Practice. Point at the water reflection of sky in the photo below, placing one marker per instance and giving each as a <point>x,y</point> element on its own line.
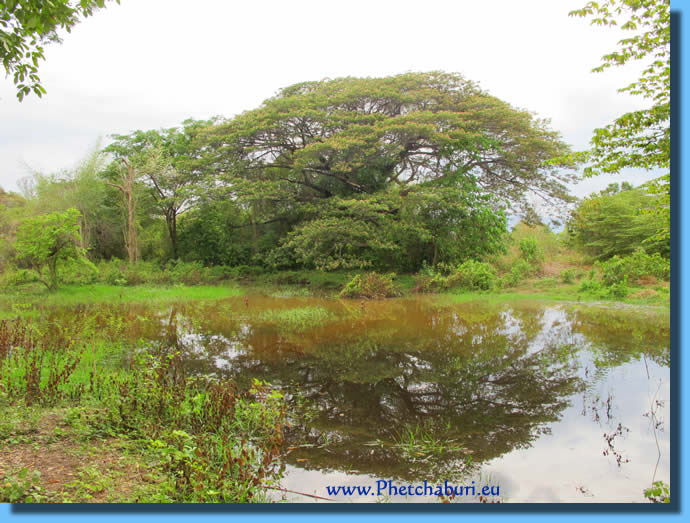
<point>575,459</point>
<point>569,464</point>
<point>533,390</point>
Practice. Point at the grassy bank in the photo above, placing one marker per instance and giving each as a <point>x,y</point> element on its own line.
<point>313,283</point>
<point>656,294</point>
<point>97,292</point>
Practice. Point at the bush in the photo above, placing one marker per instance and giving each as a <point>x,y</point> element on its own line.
<point>598,289</point>
<point>372,285</point>
<point>473,275</point>
<point>591,286</point>
<point>531,253</point>
<point>568,275</point>
<point>520,271</point>
<point>634,266</point>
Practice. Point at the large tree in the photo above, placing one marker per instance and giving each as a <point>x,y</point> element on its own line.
<point>642,138</point>
<point>170,162</point>
<point>355,136</point>
<point>26,26</point>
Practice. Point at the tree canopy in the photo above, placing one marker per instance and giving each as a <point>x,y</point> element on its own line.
<point>45,240</point>
<point>353,136</point>
<point>26,26</point>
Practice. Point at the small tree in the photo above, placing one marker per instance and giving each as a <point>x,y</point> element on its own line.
<point>45,240</point>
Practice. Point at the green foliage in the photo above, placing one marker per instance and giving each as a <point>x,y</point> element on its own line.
<point>21,487</point>
<point>394,229</point>
<point>371,286</point>
<point>615,222</point>
<point>45,241</point>
<point>26,26</point>
<point>519,272</point>
<point>659,492</point>
<point>358,135</point>
<point>595,288</point>
<point>472,275</point>
<point>568,275</point>
<point>639,139</point>
<point>34,365</point>
<point>531,252</point>
<point>216,233</point>
<point>633,267</point>
<point>298,319</point>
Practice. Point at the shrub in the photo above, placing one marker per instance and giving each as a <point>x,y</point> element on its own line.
<point>530,252</point>
<point>473,275</point>
<point>635,266</point>
<point>568,275</point>
<point>591,286</point>
<point>372,286</point>
<point>521,270</point>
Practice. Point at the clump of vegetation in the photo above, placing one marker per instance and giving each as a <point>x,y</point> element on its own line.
<point>598,289</point>
<point>472,275</point>
<point>568,275</point>
<point>297,319</point>
<point>635,266</point>
<point>18,486</point>
<point>616,221</point>
<point>371,286</point>
<point>531,253</point>
<point>659,492</point>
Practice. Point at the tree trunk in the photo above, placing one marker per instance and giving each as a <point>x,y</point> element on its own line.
<point>171,220</point>
<point>131,240</point>
<point>127,189</point>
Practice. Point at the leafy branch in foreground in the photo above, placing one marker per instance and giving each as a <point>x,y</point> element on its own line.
<point>642,138</point>
<point>26,26</point>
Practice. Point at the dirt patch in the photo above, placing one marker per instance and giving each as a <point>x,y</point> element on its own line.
<point>71,470</point>
<point>644,293</point>
<point>553,268</point>
<point>647,280</point>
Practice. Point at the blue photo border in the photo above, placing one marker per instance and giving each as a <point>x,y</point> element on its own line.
<point>304,513</point>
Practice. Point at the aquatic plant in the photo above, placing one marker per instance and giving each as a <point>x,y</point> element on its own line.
<point>298,319</point>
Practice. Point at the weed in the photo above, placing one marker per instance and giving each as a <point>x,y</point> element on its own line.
<point>298,319</point>
<point>20,486</point>
<point>371,286</point>
<point>659,492</point>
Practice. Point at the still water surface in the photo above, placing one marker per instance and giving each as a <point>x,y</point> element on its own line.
<point>550,402</point>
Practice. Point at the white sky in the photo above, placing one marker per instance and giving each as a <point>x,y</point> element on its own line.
<point>148,64</point>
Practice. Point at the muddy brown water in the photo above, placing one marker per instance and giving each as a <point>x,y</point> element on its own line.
<point>549,402</point>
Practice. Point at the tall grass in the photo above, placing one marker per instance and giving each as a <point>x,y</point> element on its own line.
<point>298,319</point>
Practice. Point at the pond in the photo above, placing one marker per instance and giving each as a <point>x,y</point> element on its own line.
<point>548,402</point>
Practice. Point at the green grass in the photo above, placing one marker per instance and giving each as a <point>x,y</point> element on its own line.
<point>95,293</point>
<point>553,292</point>
<point>298,319</point>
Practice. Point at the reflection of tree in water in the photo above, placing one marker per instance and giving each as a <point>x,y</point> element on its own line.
<point>620,336</point>
<point>616,338</point>
<point>471,376</point>
<point>487,378</point>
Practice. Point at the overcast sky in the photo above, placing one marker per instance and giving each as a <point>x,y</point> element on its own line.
<point>148,64</point>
